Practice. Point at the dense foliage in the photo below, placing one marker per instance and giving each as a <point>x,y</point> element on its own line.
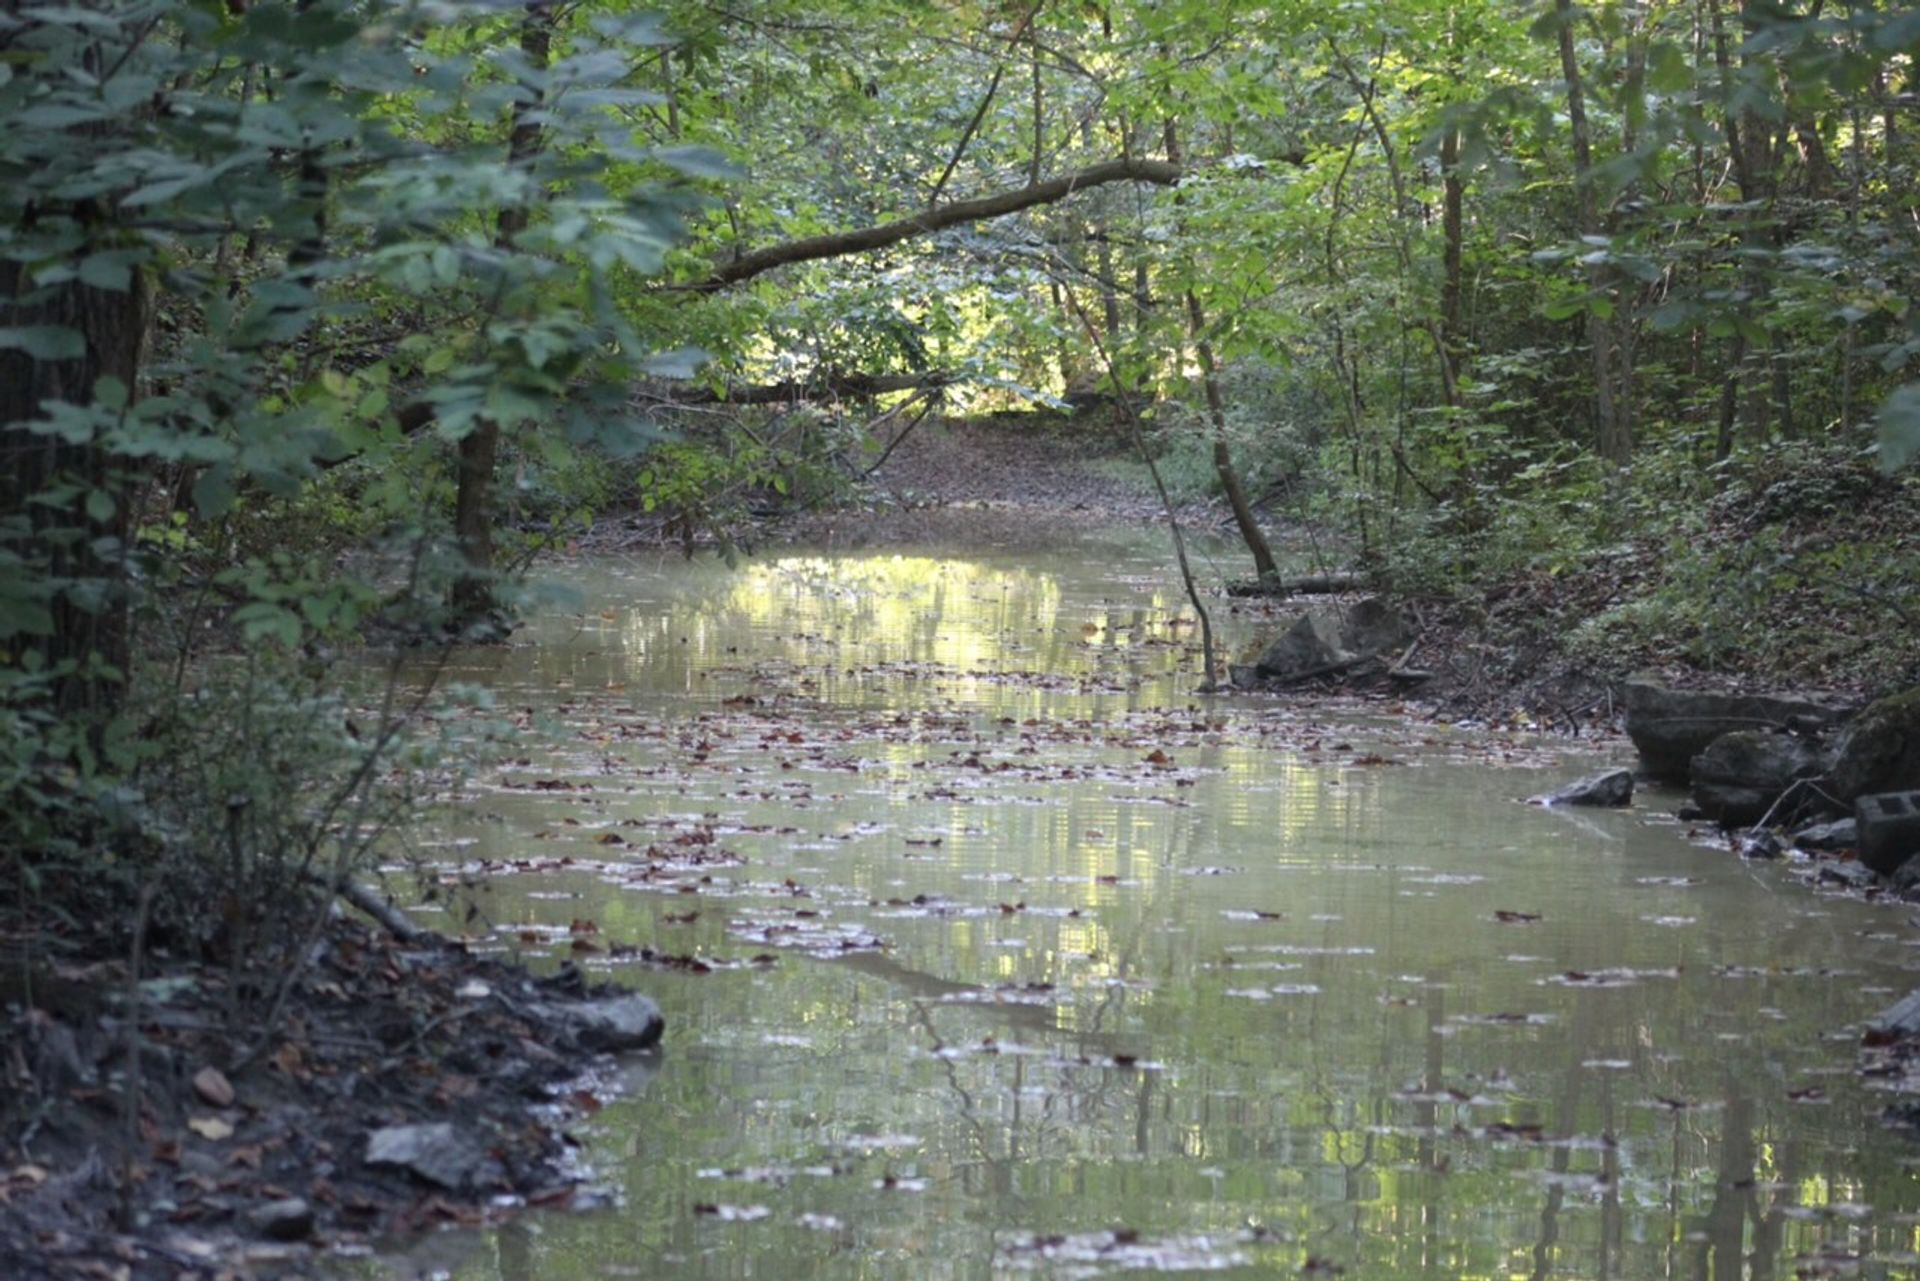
<point>288,286</point>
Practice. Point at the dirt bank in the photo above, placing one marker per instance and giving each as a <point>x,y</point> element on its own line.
<point>410,1084</point>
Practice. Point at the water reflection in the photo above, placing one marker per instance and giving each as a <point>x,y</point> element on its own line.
<point>1246,987</point>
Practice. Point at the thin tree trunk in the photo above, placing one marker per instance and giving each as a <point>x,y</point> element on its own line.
<point>1614,430</point>
<point>472,600</point>
<point>1452,224</point>
<point>1264,565</point>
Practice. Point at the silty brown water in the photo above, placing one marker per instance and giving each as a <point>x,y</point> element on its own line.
<point>1016,958</point>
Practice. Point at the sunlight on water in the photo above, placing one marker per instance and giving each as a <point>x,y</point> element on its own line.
<point>1019,960</point>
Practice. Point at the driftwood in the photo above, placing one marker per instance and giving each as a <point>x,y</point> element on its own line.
<point>1311,585</point>
<point>384,913</point>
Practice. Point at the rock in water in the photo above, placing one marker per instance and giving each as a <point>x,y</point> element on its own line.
<point>1889,826</point>
<point>1611,788</point>
<point>1323,640</point>
<point>1740,775</point>
<point>1841,834</point>
<point>436,1153</point>
<point>1880,750</point>
<point>1669,727</point>
<point>606,1024</point>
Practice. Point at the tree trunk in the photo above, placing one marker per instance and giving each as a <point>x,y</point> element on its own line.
<point>1452,224</point>
<point>1250,532</point>
<point>71,543</point>
<point>1243,517</point>
<point>1614,426</point>
<point>472,599</point>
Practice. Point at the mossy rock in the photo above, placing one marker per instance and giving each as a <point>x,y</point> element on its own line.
<point>1880,750</point>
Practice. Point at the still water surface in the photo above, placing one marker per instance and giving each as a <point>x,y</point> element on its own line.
<point>1061,972</point>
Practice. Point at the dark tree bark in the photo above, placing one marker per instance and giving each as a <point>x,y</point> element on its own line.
<point>82,554</point>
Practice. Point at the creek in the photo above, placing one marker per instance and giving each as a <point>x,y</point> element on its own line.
<point>993,951</point>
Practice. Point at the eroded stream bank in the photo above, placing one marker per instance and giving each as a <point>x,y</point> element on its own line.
<point>986,950</point>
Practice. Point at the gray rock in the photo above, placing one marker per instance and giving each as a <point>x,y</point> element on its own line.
<point>290,1219</point>
<point>1880,750</point>
<point>1841,834</point>
<point>1889,825</point>
<point>1670,727</point>
<point>437,1153</point>
<point>604,1025</point>
<point>1740,775</point>
<point>1323,640</point>
<point>1846,873</point>
<point>1613,788</point>
<point>1312,644</point>
<point>1905,880</point>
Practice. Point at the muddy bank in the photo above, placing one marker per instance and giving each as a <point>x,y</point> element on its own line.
<point>410,1084</point>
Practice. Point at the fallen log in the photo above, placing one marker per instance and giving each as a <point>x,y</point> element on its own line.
<point>1311,585</point>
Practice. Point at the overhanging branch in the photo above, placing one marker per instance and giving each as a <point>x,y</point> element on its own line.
<point>979,209</point>
<point>831,386</point>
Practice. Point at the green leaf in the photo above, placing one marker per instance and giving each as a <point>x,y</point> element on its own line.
<point>698,162</point>
<point>45,342</point>
<point>263,620</point>
<point>213,491</point>
<point>1899,424</point>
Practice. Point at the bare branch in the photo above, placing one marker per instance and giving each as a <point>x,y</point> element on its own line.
<point>959,213</point>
